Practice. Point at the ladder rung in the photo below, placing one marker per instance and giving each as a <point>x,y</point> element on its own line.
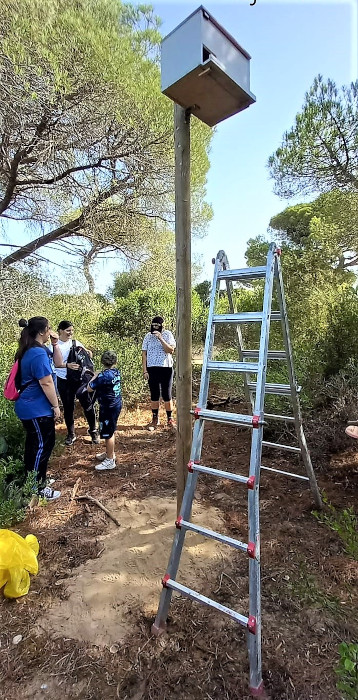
<point>229,418</point>
<point>232,366</point>
<point>249,622</point>
<point>279,471</point>
<point>281,447</point>
<point>271,355</point>
<point>279,389</point>
<point>249,549</point>
<point>245,317</point>
<point>248,273</point>
<point>249,481</point>
<point>273,416</point>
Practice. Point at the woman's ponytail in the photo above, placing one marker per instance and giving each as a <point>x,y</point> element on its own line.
<point>30,329</point>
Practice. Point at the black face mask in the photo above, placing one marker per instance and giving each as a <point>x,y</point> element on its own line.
<point>156,327</point>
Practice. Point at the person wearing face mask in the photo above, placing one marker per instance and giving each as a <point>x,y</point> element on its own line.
<point>67,387</point>
<point>157,358</point>
<point>37,406</point>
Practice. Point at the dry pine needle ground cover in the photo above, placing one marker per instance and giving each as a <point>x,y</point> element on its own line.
<point>309,584</point>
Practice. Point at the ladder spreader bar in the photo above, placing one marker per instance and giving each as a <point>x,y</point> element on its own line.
<point>249,481</point>
<point>279,389</point>
<point>279,471</point>
<point>271,355</point>
<point>232,366</point>
<point>249,622</point>
<point>273,416</point>
<point>281,447</point>
<point>229,418</point>
<point>247,273</point>
<point>211,534</point>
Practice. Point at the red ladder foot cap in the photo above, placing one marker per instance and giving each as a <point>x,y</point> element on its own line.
<point>259,692</point>
<point>158,630</point>
<point>165,580</point>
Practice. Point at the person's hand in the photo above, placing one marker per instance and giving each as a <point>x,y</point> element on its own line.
<point>146,376</point>
<point>53,338</point>
<point>56,413</point>
<point>73,365</point>
<point>158,335</point>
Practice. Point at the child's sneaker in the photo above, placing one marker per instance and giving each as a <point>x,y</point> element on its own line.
<point>154,424</point>
<point>106,465</point>
<point>171,424</point>
<point>49,494</point>
<point>100,456</point>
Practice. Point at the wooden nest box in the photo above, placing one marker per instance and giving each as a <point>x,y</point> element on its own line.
<point>204,69</point>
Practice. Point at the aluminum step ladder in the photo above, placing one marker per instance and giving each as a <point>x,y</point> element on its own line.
<point>251,362</point>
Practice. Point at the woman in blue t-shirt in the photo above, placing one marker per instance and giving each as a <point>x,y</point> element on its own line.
<point>37,406</point>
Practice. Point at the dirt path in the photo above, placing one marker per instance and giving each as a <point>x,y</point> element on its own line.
<point>85,623</point>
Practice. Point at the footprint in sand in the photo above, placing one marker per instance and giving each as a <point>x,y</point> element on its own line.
<point>111,577</point>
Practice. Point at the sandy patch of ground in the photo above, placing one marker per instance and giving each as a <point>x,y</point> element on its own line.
<point>106,594</point>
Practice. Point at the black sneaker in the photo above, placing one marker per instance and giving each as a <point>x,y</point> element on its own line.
<point>70,440</point>
<point>95,436</point>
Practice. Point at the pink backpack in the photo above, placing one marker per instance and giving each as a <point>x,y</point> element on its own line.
<point>10,391</point>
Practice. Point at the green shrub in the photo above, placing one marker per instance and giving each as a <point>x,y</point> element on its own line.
<point>129,354</point>
<point>130,316</point>
<point>15,491</point>
<point>347,670</point>
<point>10,427</point>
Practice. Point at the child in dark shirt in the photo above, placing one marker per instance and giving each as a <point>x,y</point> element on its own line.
<point>107,385</point>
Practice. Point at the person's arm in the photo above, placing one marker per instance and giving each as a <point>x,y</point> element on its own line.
<point>48,387</point>
<point>89,387</point>
<point>166,347</point>
<point>57,354</point>
<point>144,363</point>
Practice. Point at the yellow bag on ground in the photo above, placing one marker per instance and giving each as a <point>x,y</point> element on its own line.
<point>18,559</point>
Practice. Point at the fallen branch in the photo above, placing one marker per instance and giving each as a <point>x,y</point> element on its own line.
<point>75,489</point>
<point>100,505</point>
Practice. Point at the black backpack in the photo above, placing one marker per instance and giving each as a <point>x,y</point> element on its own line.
<point>81,357</point>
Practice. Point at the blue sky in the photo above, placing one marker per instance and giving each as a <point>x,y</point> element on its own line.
<point>290,43</point>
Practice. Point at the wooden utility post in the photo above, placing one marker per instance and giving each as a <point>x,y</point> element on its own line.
<point>183,294</point>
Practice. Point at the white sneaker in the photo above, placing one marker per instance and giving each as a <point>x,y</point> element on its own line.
<point>49,494</point>
<point>106,464</point>
<point>100,456</point>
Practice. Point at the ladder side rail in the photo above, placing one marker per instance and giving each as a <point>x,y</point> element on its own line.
<point>197,441</point>
<point>210,332</point>
<point>292,379</point>
<point>254,641</point>
<point>249,396</point>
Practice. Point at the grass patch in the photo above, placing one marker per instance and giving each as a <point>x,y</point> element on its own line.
<point>344,523</point>
<point>305,588</point>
